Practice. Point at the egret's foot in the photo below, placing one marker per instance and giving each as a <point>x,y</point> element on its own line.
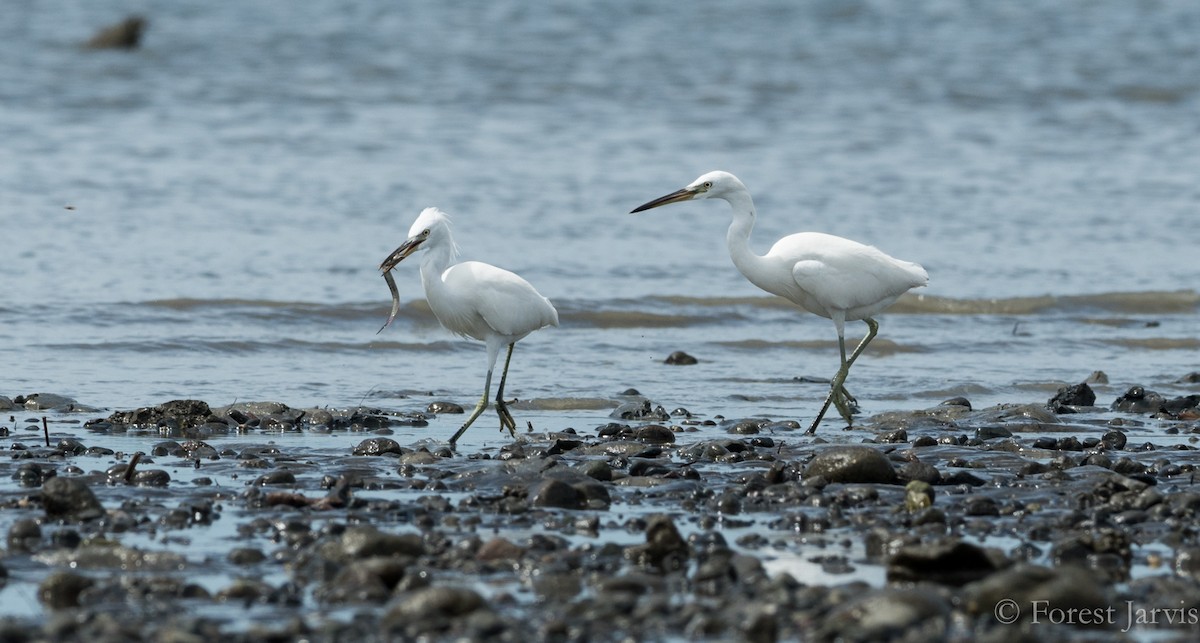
<point>853,401</point>
<point>506,418</point>
<point>846,406</point>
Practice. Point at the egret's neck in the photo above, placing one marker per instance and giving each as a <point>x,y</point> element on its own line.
<point>738,236</point>
<point>437,259</point>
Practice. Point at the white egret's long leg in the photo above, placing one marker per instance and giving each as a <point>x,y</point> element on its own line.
<point>837,390</point>
<point>506,418</point>
<point>483,402</point>
<point>493,350</point>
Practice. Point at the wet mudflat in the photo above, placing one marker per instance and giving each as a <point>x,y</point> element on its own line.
<point>1063,518</point>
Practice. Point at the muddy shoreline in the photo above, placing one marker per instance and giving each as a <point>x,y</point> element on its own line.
<point>1061,518</point>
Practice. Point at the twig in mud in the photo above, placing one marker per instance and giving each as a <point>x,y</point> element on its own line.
<point>46,430</point>
<point>129,470</point>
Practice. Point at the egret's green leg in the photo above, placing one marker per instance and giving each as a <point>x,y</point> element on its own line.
<point>483,402</point>
<point>506,418</point>
<point>838,395</point>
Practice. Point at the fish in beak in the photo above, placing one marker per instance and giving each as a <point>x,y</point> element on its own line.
<point>399,254</point>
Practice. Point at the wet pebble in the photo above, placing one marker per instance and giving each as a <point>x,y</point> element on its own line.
<point>443,407</point>
<point>851,464</point>
<point>1069,398</point>
<point>1138,400</point>
<point>24,535</point>
<point>61,590</point>
<point>70,499</point>
<point>680,358</point>
<point>654,434</point>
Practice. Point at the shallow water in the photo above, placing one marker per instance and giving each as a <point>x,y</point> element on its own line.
<point>203,217</point>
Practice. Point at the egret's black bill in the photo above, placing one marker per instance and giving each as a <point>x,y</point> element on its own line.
<point>674,197</point>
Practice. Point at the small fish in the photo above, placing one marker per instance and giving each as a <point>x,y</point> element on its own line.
<point>387,275</point>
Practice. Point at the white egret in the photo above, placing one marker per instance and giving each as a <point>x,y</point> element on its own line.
<point>472,299</point>
<point>829,276</point>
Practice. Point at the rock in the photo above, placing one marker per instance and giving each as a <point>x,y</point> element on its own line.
<point>366,542</point>
<point>922,471</point>
<point>1139,400</point>
<point>499,549</point>
<point>245,556</point>
<point>1068,587</point>
<point>370,580</point>
<point>126,34</point>
<point>24,535</point>
<point>444,408</point>
<point>654,434</point>
<point>640,410</point>
<point>377,446</point>
<point>45,402</point>
<point>665,550</point>
<point>958,401</point>
<point>556,493</point>
<point>1072,396</point>
<point>881,615</point>
<point>70,499</point>
<point>180,414</point>
<point>280,477</point>
<point>851,464</point>
<point>950,562</point>
<point>680,358</point>
<point>61,590</point>
<point>432,609</point>
<point>596,469</point>
<point>918,495</point>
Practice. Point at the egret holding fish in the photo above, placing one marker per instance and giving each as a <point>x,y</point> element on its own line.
<point>829,276</point>
<point>472,299</point>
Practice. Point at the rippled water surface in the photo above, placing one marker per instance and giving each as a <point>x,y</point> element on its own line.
<point>203,217</point>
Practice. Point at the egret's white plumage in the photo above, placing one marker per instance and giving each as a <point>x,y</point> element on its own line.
<point>826,275</point>
<point>472,299</point>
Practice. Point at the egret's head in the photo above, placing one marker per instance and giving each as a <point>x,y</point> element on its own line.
<point>716,184</point>
<point>432,228</point>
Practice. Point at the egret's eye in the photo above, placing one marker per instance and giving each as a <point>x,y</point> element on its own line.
<point>708,185</point>
<point>425,232</point>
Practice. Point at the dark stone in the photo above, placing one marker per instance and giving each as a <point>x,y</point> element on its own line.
<point>595,469</point>
<point>439,408</point>
<point>922,471</point>
<point>655,434</point>
<point>641,410</point>
<point>365,542</point>
<point>665,550</point>
<point>950,562</point>
<point>126,34</point>
<point>853,464</point>
<point>556,493</point>
<point>371,580</point>
<point>181,414</point>
<point>680,358</point>
<point>1061,588</point>
<point>24,535</point>
<point>1139,400</point>
<point>377,446</point>
<point>70,499</point>
<point>61,590</point>
<point>432,609</point>
<point>280,477</point>
<point>958,401</point>
<point>888,614</point>
<point>1072,396</point>
<point>243,556</point>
